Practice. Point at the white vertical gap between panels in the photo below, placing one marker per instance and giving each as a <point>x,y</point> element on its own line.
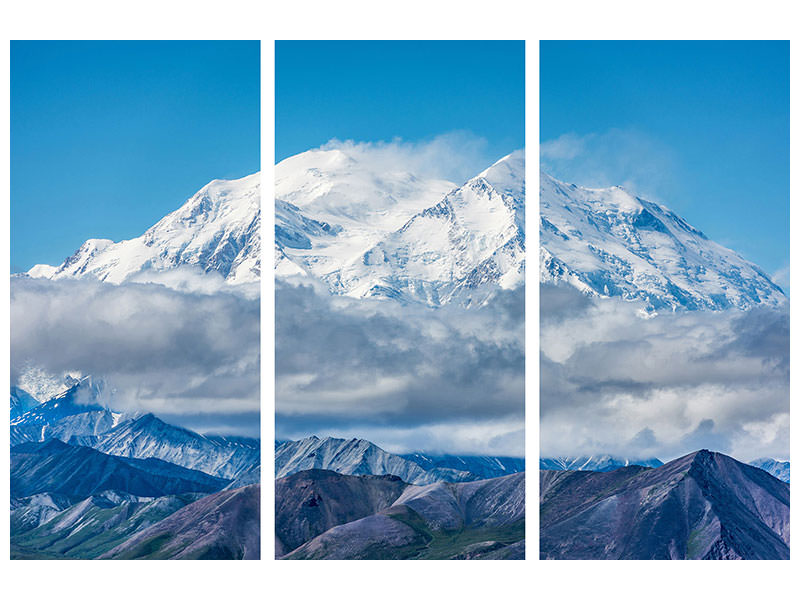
<point>532,299</point>
<point>267,299</point>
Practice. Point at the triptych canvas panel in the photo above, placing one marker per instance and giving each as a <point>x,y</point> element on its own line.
<point>395,227</point>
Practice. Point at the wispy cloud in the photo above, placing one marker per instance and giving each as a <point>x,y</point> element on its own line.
<point>454,156</point>
<point>782,278</point>
<point>623,157</point>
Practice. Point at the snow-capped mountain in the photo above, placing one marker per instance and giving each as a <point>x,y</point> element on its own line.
<point>72,415</point>
<point>147,436</point>
<point>777,468</point>
<point>21,402</point>
<point>483,467</point>
<point>604,462</point>
<point>608,242</point>
<point>391,234</point>
<point>356,457</point>
<point>77,417</point>
<point>216,230</point>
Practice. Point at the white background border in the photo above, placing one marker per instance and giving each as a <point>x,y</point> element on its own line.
<point>411,19</point>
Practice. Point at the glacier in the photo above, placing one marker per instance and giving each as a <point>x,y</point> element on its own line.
<point>394,235</point>
<point>610,243</point>
<point>218,230</point>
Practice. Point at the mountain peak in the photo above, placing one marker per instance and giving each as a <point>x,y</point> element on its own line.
<point>704,505</point>
<point>216,230</point>
<point>370,231</point>
<point>147,419</point>
<point>507,175</point>
<point>318,158</point>
<point>610,243</point>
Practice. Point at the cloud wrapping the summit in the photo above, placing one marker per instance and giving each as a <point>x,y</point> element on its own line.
<point>454,156</point>
<point>625,157</point>
<point>613,382</point>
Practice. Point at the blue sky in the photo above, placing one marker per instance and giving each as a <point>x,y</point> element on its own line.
<point>108,137</point>
<point>373,91</point>
<point>702,127</point>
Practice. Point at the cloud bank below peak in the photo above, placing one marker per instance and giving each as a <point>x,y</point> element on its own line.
<point>612,382</point>
<point>407,377</point>
<point>179,353</point>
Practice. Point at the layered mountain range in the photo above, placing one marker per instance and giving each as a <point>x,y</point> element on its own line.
<point>361,457</point>
<point>89,482</point>
<point>326,515</point>
<point>357,228</point>
<point>76,417</point>
<point>610,243</point>
<point>702,506</point>
<point>218,230</point>
<point>350,499</point>
<point>604,462</point>
<point>777,468</point>
<point>85,480</point>
<point>377,233</point>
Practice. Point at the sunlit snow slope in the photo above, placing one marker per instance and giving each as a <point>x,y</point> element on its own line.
<point>390,234</point>
<point>608,242</point>
<point>217,230</point>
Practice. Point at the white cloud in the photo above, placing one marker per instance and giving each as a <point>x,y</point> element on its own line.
<point>612,382</point>
<point>782,278</point>
<point>407,376</point>
<point>565,147</point>
<point>455,156</point>
<point>158,349</point>
<point>623,157</point>
<point>492,437</point>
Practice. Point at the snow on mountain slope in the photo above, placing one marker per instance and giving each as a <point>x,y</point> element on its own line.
<point>77,417</point>
<point>330,208</point>
<point>223,526</point>
<point>42,271</point>
<point>604,462</point>
<point>72,414</point>
<point>607,242</point>
<point>777,468</point>
<point>355,457</point>
<point>393,235</point>
<point>21,402</point>
<point>147,436</point>
<point>483,467</point>
<point>216,230</point>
